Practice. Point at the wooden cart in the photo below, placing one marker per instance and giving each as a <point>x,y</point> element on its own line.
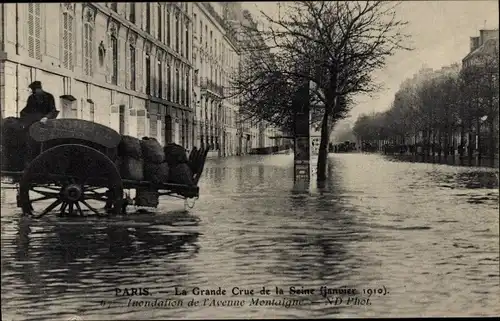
<point>74,172</point>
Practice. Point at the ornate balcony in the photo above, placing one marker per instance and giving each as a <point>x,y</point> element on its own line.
<point>209,86</point>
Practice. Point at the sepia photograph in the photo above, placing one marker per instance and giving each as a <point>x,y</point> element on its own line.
<point>249,160</point>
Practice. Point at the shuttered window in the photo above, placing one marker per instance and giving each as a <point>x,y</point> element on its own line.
<point>88,48</point>
<point>67,40</point>
<point>35,30</point>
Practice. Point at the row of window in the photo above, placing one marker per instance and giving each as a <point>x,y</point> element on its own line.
<point>180,93</point>
<point>214,48</point>
<point>163,16</point>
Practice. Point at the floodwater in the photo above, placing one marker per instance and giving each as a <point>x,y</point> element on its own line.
<point>423,239</point>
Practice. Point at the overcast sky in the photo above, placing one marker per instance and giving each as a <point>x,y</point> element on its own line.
<point>440,33</point>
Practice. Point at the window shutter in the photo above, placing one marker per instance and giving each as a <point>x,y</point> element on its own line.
<point>31,30</point>
<point>38,31</point>
<point>85,49</point>
<point>65,40</point>
<point>71,40</point>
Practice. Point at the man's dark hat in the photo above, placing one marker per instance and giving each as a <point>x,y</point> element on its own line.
<point>36,84</point>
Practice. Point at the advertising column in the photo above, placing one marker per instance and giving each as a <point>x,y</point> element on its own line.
<point>302,175</point>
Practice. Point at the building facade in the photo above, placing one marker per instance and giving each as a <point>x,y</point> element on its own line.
<point>124,65</point>
<point>484,53</point>
<point>216,61</point>
<point>250,134</point>
<point>152,69</point>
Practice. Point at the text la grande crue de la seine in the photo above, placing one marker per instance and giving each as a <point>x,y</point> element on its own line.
<point>352,296</point>
<point>324,291</point>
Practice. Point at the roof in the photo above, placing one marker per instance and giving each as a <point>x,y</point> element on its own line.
<point>489,47</point>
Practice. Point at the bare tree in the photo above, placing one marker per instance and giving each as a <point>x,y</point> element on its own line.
<point>479,87</point>
<point>334,45</point>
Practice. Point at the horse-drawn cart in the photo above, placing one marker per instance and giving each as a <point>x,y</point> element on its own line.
<point>74,171</point>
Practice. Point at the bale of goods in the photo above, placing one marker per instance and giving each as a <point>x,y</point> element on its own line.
<point>14,132</point>
<point>131,168</point>
<point>156,173</point>
<point>152,152</point>
<point>175,154</point>
<point>181,174</point>
<point>147,197</point>
<point>130,146</point>
<point>12,158</point>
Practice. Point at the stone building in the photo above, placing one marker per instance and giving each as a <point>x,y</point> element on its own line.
<point>216,62</point>
<point>251,134</point>
<point>124,65</point>
<point>484,55</point>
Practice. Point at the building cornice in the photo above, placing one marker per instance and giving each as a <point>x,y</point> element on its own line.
<point>216,20</point>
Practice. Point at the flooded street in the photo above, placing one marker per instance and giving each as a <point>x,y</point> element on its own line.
<point>426,234</point>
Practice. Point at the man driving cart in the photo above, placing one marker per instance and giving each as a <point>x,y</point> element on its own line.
<point>40,106</point>
<point>18,146</point>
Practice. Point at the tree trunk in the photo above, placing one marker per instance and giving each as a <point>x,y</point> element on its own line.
<point>323,148</point>
<point>446,143</point>
<point>479,143</point>
<point>440,145</point>
<point>492,141</point>
<point>470,146</point>
<point>433,146</point>
<point>461,148</point>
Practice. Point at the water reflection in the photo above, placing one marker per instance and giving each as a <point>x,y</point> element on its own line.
<point>372,223</point>
<point>66,258</point>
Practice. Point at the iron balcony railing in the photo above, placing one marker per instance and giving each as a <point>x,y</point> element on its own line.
<point>207,84</point>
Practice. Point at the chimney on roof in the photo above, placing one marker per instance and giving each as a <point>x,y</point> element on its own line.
<point>487,34</point>
<point>474,43</point>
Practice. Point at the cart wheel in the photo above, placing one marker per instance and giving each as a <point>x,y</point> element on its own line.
<point>71,180</point>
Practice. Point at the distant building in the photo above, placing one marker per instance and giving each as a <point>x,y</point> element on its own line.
<point>484,45</point>
<point>250,134</point>
<point>484,51</point>
<point>216,61</point>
